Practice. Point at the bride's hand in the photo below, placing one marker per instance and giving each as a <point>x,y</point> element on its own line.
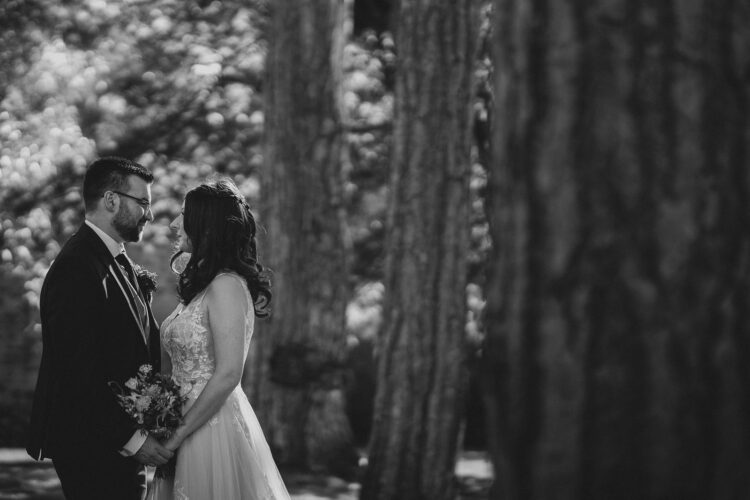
<point>175,441</point>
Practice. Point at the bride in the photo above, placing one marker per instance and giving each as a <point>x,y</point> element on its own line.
<point>221,452</point>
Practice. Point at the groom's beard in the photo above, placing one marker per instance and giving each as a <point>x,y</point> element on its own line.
<point>127,226</point>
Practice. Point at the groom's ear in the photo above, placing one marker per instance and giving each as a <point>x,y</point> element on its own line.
<point>109,201</point>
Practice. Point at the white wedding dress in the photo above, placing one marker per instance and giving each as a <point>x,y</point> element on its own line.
<point>227,458</point>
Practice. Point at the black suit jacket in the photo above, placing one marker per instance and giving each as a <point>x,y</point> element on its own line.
<point>90,337</point>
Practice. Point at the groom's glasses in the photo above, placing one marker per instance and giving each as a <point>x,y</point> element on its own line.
<point>143,202</point>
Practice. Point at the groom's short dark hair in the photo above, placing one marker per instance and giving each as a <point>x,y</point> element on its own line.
<point>110,174</point>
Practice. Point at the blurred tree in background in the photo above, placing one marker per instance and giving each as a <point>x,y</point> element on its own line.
<point>296,373</point>
<point>617,299</point>
<point>422,351</point>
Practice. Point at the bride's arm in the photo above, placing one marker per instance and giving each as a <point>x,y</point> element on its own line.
<point>225,302</point>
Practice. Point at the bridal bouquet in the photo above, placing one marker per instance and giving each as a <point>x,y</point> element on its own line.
<point>154,401</point>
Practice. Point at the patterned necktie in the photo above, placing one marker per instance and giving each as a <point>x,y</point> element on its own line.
<point>124,262</point>
<point>138,300</point>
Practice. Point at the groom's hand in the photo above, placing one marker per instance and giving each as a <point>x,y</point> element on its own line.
<point>153,453</point>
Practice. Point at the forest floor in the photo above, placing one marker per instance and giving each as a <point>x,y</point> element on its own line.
<point>24,479</point>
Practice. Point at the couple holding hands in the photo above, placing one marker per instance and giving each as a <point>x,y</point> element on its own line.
<point>97,328</point>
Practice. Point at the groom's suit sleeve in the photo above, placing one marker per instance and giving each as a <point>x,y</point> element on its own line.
<point>77,307</point>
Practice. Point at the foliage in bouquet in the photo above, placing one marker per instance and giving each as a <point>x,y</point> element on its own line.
<point>153,401</point>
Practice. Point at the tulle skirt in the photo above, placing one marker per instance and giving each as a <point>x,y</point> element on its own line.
<point>226,459</point>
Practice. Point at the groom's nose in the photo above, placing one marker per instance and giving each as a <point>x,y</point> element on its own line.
<point>149,215</point>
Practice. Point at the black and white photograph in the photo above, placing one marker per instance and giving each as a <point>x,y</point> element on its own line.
<point>374,250</point>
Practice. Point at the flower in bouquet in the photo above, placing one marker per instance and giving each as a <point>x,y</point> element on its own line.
<point>154,402</point>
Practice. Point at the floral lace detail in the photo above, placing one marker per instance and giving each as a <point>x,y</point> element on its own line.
<point>186,338</point>
<point>179,491</point>
<point>239,421</point>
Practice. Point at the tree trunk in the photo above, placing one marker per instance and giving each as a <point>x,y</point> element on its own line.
<point>421,355</point>
<point>295,371</point>
<point>618,207</point>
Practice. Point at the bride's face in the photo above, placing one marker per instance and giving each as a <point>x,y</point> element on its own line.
<point>183,242</point>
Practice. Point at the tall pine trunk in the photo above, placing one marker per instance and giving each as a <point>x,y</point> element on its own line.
<point>617,305</point>
<point>295,373</point>
<point>421,354</point>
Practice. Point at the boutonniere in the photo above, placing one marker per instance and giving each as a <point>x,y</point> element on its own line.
<point>146,280</point>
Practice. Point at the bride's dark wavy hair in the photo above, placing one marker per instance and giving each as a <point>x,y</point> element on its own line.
<point>221,228</point>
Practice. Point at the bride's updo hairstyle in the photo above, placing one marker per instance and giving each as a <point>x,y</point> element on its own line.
<point>221,228</point>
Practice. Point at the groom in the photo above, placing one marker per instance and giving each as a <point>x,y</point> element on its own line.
<point>96,328</point>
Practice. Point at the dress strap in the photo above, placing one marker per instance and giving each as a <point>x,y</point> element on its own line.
<point>233,275</point>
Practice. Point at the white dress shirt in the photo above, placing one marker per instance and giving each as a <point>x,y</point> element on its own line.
<point>138,438</point>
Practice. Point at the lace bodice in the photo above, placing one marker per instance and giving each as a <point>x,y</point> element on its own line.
<point>187,339</point>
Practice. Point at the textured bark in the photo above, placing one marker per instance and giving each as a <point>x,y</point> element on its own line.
<point>617,305</point>
<point>421,354</point>
<point>295,375</point>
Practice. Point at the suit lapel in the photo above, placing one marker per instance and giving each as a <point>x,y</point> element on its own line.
<point>109,267</point>
<point>130,298</point>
